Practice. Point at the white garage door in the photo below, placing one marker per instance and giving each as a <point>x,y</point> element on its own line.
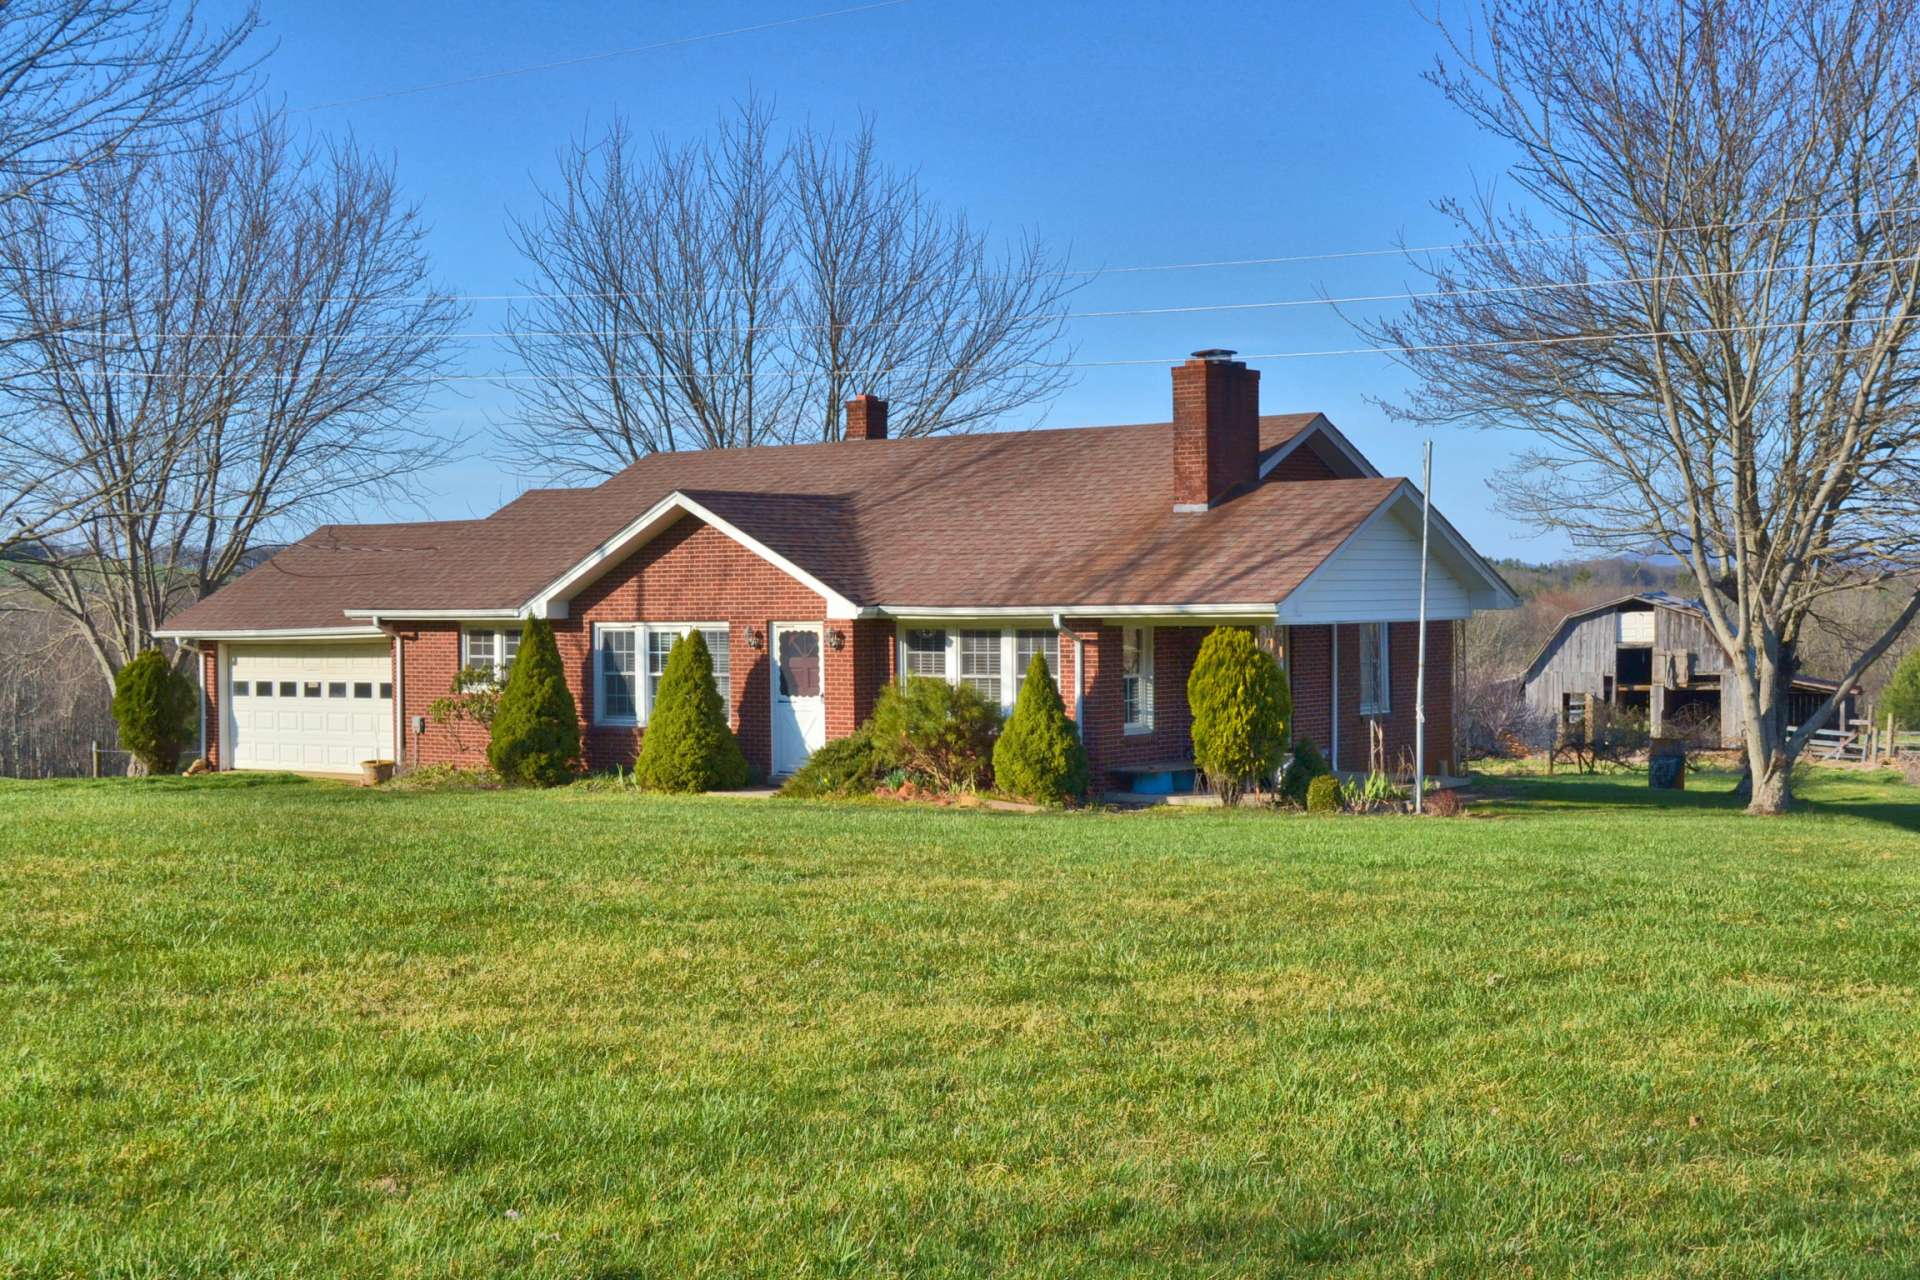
<point>317,708</point>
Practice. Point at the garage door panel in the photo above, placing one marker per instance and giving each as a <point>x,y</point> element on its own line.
<point>310,706</point>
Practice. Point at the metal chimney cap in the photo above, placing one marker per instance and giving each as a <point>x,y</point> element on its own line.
<point>1214,355</point>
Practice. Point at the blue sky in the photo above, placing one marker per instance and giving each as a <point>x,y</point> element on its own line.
<point>1135,133</point>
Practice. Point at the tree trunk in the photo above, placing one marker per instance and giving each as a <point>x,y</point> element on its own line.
<point>1772,788</point>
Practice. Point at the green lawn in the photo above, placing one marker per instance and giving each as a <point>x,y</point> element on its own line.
<point>266,1027</point>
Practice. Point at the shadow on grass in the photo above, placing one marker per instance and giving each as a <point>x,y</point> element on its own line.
<point>1880,799</point>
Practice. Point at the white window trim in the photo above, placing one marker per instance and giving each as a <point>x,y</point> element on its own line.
<point>1144,725</point>
<point>1009,639</point>
<point>1382,703</point>
<point>642,690</point>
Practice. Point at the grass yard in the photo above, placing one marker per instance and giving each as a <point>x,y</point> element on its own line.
<point>265,1027</point>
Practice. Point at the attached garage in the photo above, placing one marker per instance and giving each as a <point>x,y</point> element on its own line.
<point>309,707</point>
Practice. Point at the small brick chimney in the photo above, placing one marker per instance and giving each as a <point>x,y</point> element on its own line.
<point>866,418</point>
<point>1216,429</point>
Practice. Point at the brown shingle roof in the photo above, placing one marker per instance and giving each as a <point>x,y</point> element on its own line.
<point>1058,517</point>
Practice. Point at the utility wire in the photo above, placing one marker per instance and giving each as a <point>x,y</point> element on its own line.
<point>1079,272</point>
<point>1402,349</point>
<point>596,57</point>
<point>643,331</point>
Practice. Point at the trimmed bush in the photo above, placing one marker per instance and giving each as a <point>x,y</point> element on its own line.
<point>688,745</point>
<point>936,732</point>
<point>1306,765</point>
<point>156,708</point>
<point>535,734</point>
<point>1902,694</point>
<point>846,766</point>
<point>1039,756</point>
<point>1241,710</point>
<point>1323,795</point>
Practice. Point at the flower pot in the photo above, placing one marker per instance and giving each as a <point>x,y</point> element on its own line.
<point>375,772</point>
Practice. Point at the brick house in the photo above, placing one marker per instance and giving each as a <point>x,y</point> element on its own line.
<point>820,572</point>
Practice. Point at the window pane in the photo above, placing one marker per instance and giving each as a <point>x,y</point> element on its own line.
<point>386,689</point>
<point>337,689</point>
<point>239,688</point>
<point>509,648</point>
<point>262,688</point>
<point>927,654</point>
<point>362,689</point>
<point>1028,643</point>
<point>479,648</point>
<point>288,689</point>
<point>719,644</point>
<point>1136,676</point>
<point>616,675</point>
<point>312,689</point>
<point>659,649</point>
<point>800,664</point>
<point>980,663</point>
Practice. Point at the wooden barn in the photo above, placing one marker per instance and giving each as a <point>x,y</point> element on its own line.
<point>1653,654</point>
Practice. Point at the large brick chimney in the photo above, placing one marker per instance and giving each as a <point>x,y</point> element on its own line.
<point>1216,429</point>
<point>866,418</point>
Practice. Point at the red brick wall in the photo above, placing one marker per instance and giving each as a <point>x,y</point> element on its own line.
<point>690,573</point>
<point>1108,744</point>
<point>1403,639</point>
<point>1311,666</point>
<point>1302,464</point>
<point>1216,429</point>
<point>211,707</point>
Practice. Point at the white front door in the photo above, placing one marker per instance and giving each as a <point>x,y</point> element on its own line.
<point>313,708</point>
<point>799,710</point>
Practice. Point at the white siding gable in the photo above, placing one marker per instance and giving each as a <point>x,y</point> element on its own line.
<point>1375,577</point>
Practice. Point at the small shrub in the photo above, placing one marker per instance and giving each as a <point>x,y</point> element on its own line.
<point>1323,794</point>
<point>1241,709</point>
<point>688,745</point>
<point>1039,756</point>
<point>938,732</point>
<point>1442,804</point>
<point>534,737</point>
<point>1306,765</point>
<point>1375,792</point>
<point>474,698</point>
<point>846,766</point>
<point>156,708</point>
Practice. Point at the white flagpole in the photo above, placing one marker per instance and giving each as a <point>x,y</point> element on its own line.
<point>1420,679</point>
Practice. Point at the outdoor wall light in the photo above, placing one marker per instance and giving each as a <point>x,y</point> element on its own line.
<point>836,639</point>
<point>754,639</point>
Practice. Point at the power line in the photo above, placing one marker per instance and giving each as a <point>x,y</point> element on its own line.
<point>641,331</point>
<point>1077,272</point>
<point>1149,361</point>
<point>597,57</point>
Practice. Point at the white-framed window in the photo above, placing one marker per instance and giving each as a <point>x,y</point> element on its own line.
<point>630,658</point>
<point>494,647</point>
<point>992,660</point>
<point>923,652</point>
<point>1136,679</point>
<point>1028,643</point>
<point>1374,695</point>
<point>980,663</point>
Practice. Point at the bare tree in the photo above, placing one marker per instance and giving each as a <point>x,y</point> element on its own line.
<point>1704,309</point>
<point>83,81</point>
<point>227,341</point>
<point>735,290</point>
